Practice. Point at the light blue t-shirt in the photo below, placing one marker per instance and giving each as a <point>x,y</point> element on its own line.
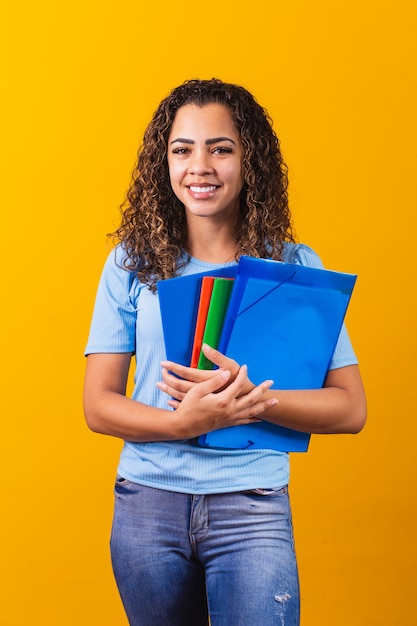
<point>127,318</point>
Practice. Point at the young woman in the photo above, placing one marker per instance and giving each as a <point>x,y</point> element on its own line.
<point>200,532</point>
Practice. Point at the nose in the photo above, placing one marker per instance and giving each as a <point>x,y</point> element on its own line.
<point>200,163</point>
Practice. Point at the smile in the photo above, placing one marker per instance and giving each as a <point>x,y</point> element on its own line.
<point>207,189</point>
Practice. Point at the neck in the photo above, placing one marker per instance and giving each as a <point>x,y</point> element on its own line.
<point>211,243</point>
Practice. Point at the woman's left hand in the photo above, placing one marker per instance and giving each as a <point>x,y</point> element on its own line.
<point>189,376</point>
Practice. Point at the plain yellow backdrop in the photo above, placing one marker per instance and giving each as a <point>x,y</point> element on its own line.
<point>80,80</point>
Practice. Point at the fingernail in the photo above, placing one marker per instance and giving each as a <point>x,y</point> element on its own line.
<point>225,374</point>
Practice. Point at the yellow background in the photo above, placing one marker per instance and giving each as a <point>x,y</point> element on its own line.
<point>80,81</point>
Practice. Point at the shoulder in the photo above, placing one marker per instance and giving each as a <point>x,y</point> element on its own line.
<point>119,283</point>
<point>116,266</point>
<point>300,254</point>
<point>116,260</point>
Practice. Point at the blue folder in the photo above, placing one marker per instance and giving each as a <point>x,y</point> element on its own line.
<point>283,321</point>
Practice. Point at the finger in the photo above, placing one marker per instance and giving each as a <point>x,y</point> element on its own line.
<point>213,384</point>
<point>220,359</point>
<point>254,397</point>
<point>249,408</point>
<point>170,391</point>
<point>255,411</point>
<point>251,397</point>
<point>259,390</point>
<point>188,373</point>
<point>237,386</point>
<point>175,382</point>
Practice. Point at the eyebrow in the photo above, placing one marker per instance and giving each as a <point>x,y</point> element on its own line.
<point>208,142</point>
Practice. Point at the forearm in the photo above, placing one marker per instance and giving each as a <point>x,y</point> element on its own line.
<point>321,411</point>
<point>339,407</point>
<point>108,411</point>
<point>111,413</point>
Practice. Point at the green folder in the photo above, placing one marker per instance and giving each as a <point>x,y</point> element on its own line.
<point>219,301</point>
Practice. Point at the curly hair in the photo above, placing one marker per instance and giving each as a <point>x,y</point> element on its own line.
<point>153,230</point>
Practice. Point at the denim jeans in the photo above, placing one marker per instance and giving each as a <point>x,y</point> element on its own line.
<point>179,558</point>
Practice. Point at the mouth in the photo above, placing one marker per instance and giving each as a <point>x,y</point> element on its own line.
<point>202,188</point>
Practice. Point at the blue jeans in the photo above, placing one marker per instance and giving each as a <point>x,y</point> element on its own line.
<point>179,558</point>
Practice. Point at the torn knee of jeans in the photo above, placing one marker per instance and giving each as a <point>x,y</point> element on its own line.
<point>283,598</point>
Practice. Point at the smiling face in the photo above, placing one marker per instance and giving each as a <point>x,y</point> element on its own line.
<point>205,161</point>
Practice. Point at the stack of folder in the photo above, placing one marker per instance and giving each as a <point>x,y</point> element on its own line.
<point>213,300</point>
<point>282,320</point>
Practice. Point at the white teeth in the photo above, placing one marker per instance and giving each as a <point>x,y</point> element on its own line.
<point>202,189</point>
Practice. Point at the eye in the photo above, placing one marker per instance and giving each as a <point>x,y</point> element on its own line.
<point>180,150</point>
<point>222,150</point>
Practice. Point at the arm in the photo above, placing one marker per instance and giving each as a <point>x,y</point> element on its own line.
<point>108,410</point>
<point>339,407</point>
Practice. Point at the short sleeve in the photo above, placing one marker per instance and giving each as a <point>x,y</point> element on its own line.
<point>113,326</point>
<point>301,254</point>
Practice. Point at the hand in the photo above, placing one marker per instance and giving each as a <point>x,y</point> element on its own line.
<point>185,378</point>
<point>209,405</point>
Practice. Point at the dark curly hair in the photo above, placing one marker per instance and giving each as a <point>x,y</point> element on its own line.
<point>153,230</point>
